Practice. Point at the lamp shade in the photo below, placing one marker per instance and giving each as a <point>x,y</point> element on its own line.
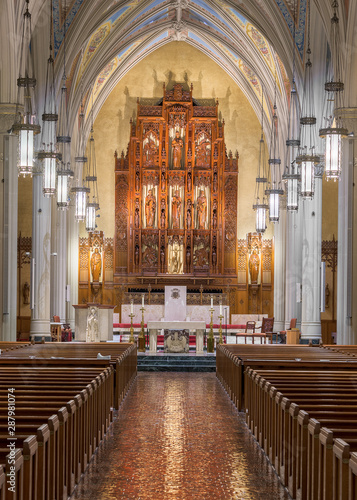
<point>333,148</point>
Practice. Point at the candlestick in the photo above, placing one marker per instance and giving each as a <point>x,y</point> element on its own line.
<point>211,302</point>
<point>131,339</point>
<point>142,301</point>
<point>210,338</point>
<point>220,341</point>
<point>141,338</point>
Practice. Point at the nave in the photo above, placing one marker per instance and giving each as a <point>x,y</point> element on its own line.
<point>177,435</point>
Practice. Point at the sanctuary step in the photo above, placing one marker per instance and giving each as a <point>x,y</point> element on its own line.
<point>176,363</point>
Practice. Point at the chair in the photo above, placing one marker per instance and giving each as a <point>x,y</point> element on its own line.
<point>267,328</point>
<point>250,327</point>
<point>282,334</point>
<point>60,332</point>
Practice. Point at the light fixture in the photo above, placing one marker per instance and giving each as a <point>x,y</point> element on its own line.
<point>91,179</point>
<point>306,158</point>
<point>64,173</point>
<point>334,132</point>
<point>260,206</point>
<point>291,176</point>
<point>81,190</point>
<point>48,156</point>
<point>25,125</point>
<point>274,190</point>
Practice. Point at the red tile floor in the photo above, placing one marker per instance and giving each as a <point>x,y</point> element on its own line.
<point>177,436</point>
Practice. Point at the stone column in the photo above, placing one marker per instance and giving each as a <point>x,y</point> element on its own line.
<point>7,117</point>
<point>72,266</point>
<point>311,262</point>
<point>347,235</point>
<point>293,267</point>
<point>58,262</point>
<point>41,249</point>
<point>9,247</point>
<point>279,272</point>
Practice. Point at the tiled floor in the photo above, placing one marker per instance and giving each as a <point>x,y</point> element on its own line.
<point>177,436</point>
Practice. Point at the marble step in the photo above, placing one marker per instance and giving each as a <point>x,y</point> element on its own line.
<point>177,363</point>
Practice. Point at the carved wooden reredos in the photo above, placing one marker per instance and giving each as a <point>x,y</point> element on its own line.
<point>176,216</point>
<point>176,194</point>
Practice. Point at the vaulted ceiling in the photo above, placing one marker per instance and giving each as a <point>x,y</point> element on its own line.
<point>252,40</point>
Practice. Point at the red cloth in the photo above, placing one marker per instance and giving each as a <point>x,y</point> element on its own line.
<point>138,325</point>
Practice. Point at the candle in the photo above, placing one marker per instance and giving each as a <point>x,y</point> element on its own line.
<point>131,308</point>
<point>211,302</point>
<point>220,310</point>
<point>142,301</point>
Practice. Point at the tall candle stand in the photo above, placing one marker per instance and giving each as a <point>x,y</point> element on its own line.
<point>141,338</point>
<point>131,339</point>
<point>210,339</point>
<point>220,341</point>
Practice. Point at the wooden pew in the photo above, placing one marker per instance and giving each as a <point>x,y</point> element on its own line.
<point>305,451</point>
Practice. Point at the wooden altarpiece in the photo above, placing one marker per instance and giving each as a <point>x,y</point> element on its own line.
<point>176,195</point>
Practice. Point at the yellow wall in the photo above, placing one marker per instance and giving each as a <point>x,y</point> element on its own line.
<point>177,61</point>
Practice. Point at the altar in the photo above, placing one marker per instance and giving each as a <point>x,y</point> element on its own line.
<point>194,327</point>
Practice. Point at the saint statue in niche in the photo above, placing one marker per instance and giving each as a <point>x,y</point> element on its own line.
<point>150,209</point>
<point>202,210</point>
<point>176,209</point>
<point>203,151</point>
<point>26,292</point>
<point>177,145</point>
<point>176,259</point>
<point>254,262</point>
<point>96,265</point>
<point>150,149</point>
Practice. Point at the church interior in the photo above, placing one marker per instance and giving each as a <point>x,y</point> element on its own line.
<point>178,264</point>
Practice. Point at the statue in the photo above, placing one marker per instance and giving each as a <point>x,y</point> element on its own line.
<point>92,332</point>
<point>254,262</point>
<point>163,217</point>
<point>137,181</point>
<point>26,292</point>
<point>203,152</point>
<point>176,210</point>
<point>188,259</point>
<point>150,209</point>
<point>136,255</point>
<point>176,259</point>
<point>214,256</point>
<point>189,219</point>
<point>215,182</point>
<point>202,210</point>
<point>214,220</point>
<point>136,218</point>
<point>189,183</point>
<point>177,145</point>
<point>96,265</point>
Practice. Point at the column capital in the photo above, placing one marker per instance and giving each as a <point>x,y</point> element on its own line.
<point>348,117</point>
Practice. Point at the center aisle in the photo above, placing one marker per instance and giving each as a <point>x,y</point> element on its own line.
<point>179,437</point>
